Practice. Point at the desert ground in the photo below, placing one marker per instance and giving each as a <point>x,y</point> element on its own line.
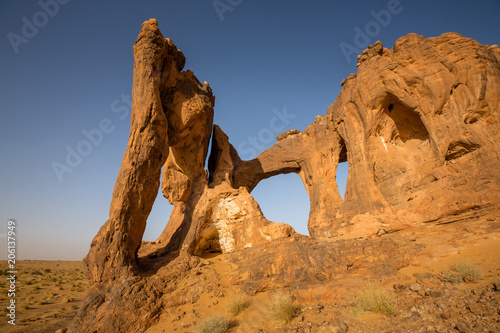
<point>47,297</point>
<point>426,299</point>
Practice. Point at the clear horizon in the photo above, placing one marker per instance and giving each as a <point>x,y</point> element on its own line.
<point>67,78</point>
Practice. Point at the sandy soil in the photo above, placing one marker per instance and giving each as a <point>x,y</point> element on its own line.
<point>49,293</point>
<point>47,297</point>
<point>340,295</point>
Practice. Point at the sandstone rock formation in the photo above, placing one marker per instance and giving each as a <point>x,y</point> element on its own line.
<point>171,125</point>
<point>418,125</point>
<point>114,249</point>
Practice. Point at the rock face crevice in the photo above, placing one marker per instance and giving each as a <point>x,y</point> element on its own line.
<point>418,125</point>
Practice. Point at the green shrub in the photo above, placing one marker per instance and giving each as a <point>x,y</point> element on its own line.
<point>375,300</point>
<point>215,324</point>
<point>282,309</point>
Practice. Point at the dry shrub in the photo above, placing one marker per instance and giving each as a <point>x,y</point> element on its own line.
<point>282,309</point>
<point>463,271</point>
<point>375,300</point>
<point>237,304</point>
<point>215,324</point>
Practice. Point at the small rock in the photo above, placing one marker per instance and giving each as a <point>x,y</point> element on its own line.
<point>415,314</point>
<point>445,315</point>
<point>338,325</point>
<point>476,308</point>
<point>462,328</point>
<point>496,286</point>
<point>180,315</point>
<point>416,287</point>
<point>423,275</point>
<point>215,302</point>
<point>399,287</point>
<point>434,293</point>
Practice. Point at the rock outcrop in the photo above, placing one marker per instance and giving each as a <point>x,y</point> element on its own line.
<point>418,125</point>
<point>113,251</point>
<point>171,126</point>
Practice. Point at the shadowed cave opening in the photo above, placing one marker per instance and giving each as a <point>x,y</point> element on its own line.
<point>283,198</point>
<point>407,122</point>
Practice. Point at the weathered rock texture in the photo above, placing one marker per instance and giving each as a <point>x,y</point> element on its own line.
<point>210,214</point>
<point>418,125</point>
<point>114,249</point>
<point>171,125</point>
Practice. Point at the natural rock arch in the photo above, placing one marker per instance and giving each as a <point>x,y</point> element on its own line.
<point>277,194</point>
<point>434,102</point>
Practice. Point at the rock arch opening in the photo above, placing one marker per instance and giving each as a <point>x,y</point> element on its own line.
<point>342,172</point>
<point>158,218</point>
<point>341,178</point>
<point>283,198</point>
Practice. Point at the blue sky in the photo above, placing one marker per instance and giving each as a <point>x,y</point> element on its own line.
<point>67,70</point>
